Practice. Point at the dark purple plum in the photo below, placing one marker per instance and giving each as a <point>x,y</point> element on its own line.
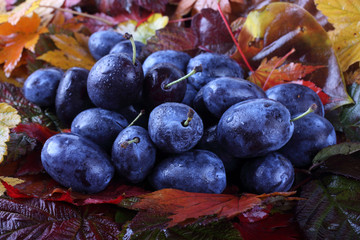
<point>199,105</point>
<point>155,91</point>
<point>114,82</point>
<point>297,98</point>
<point>101,42</point>
<point>270,173</point>
<point>99,125</point>
<point>223,92</point>
<point>72,97</point>
<point>254,128</point>
<point>40,87</point>
<point>190,94</point>
<point>133,160</point>
<point>194,171</point>
<point>77,163</point>
<point>311,134</point>
<point>214,66</point>
<point>170,129</point>
<point>177,58</point>
<point>126,47</point>
<point>209,142</point>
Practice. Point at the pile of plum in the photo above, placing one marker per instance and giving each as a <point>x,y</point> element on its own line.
<point>198,131</point>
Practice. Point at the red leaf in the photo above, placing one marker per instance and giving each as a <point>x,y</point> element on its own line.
<point>35,130</point>
<point>38,219</point>
<point>44,187</point>
<point>31,164</point>
<point>187,205</point>
<point>275,227</point>
<point>11,191</point>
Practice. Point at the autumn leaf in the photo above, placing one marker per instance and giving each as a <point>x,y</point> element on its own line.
<point>8,119</point>
<point>73,52</point>
<point>11,181</point>
<point>19,11</point>
<point>184,206</point>
<point>345,17</point>
<point>24,34</point>
<point>273,72</point>
<point>39,219</point>
<point>142,31</point>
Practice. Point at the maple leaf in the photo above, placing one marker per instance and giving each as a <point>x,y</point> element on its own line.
<point>345,17</point>
<point>8,119</point>
<point>24,34</point>
<point>73,52</point>
<point>142,31</point>
<point>184,206</point>
<point>273,72</point>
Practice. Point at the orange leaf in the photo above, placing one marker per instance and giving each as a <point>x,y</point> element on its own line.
<point>187,205</point>
<point>73,52</point>
<point>269,74</point>
<point>25,34</point>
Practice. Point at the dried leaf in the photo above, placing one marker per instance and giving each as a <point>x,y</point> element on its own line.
<point>24,34</point>
<point>186,206</point>
<point>38,219</point>
<point>142,31</point>
<point>19,11</point>
<point>9,118</point>
<point>11,181</point>
<point>277,28</point>
<point>345,17</point>
<point>71,53</point>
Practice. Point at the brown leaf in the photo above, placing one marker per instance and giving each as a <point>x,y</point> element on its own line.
<point>187,205</point>
<point>24,34</point>
<point>73,52</point>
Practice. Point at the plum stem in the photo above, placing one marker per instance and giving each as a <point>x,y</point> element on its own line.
<point>130,37</point>
<point>190,116</point>
<point>233,38</point>
<point>142,112</point>
<point>311,109</point>
<point>127,143</point>
<point>195,70</point>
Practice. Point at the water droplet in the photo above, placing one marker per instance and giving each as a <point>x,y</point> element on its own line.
<point>229,119</point>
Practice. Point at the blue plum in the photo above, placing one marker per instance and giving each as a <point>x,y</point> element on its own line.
<point>297,98</point>
<point>77,163</point>
<point>270,173</point>
<point>194,171</point>
<point>214,66</point>
<point>41,86</point>
<point>311,134</point>
<point>99,125</point>
<point>167,128</point>
<point>133,161</point>
<point>101,42</point>
<point>254,128</point>
<point>71,97</point>
<point>223,92</point>
<point>126,47</point>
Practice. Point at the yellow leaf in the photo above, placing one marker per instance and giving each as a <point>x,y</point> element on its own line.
<point>9,118</point>
<point>345,17</point>
<point>11,181</point>
<point>143,31</point>
<point>72,52</point>
<point>23,9</point>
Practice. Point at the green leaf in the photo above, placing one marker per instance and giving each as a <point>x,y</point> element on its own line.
<point>332,209</point>
<point>350,115</point>
<point>345,148</point>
